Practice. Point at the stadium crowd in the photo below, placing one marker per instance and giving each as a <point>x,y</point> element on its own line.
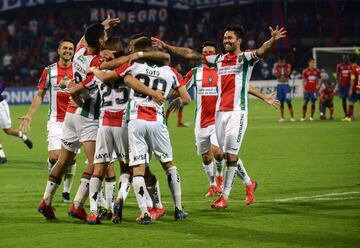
<point>28,39</point>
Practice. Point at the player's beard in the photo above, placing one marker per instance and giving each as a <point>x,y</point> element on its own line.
<point>230,47</point>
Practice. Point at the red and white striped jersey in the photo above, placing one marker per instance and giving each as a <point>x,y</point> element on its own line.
<point>58,98</point>
<point>204,79</point>
<point>155,77</point>
<point>114,101</point>
<point>91,105</point>
<point>234,73</point>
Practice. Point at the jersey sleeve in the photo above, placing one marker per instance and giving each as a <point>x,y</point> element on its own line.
<point>188,80</point>
<point>123,70</point>
<point>177,79</point>
<point>212,59</point>
<point>251,56</point>
<point>44,80</point>
<point>288,69</point>
<point>319,73</point>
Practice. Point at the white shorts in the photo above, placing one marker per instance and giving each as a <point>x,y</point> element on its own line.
<point>111,139</point>
<point>77,130</point>
<point>5,119</point>
<point>145,136</point>
<point>230,130</point>
<point>204,138</point>
<point>54,135</point>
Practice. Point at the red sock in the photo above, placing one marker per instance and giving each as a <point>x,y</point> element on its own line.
<point>312,110</point>
<point>331,111</point>
<point>351,111</point>
<point>179,116</point>
<point>282,111</point>
<point>291,111</point>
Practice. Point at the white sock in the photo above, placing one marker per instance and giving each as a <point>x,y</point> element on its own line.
<point>95,186</point>
<point>82,193</point>
<point>50,191</point>
<point>139,189</point>
<point>101,198</point>
<point>2,153</point>
<point>149,201</point>
<point>241,172</point>
<point>219,167</point>
<point>174,185</point>
<point>69,178</point>
<point>124,186</point>
<point>228,180</point>
<point>110,186</point>
<point>209,171</point>
<point>22,136</point>
<point>154,192</point>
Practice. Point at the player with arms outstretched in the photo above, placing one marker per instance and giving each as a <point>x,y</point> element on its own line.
<point>282,71</point>
<point>311,78</point>
<point>234,71</point>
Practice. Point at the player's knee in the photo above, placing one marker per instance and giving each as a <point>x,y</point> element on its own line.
<point>167,165</point>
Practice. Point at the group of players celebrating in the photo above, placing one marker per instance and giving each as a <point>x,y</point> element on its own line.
<point>113,105</point>
<point>348,84</point>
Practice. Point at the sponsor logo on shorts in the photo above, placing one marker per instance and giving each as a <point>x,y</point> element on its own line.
<point>66,143</point>
<point>240,127</point>
<point>122,156</point>
<point>140,157</point>
<point>103,155</point>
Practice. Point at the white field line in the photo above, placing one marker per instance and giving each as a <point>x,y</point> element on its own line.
<point>324,197</point>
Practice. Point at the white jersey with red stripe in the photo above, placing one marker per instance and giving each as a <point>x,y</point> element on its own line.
<point>204,79</point>
<point>161,78</point>
<point>234,73</point>
<point>81,62</point>
<point>58,98</point>
<point>114,102</point>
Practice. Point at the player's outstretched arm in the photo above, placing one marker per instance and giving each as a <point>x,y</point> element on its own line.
<point>26,119</point>
<point>102,75</point>
<point>158,56</point>
<point>182,52</point>
<point>276,34</point>
<point>268,98</point>
<point>157,96</point>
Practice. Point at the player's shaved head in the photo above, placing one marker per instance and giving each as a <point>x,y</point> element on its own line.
<point>93,34</point>
<point>142,44</point>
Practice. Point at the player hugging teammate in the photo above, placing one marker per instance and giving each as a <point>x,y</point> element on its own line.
<point>121,111</point>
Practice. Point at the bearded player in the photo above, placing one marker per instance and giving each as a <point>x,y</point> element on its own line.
<point>234,71</point>
<point>59,98</point>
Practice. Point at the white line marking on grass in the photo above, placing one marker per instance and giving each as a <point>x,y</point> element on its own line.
<point>322,197</point>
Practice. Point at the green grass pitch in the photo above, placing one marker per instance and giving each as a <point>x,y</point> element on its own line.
<point>308,194</point>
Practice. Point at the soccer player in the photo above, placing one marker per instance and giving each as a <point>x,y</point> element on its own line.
<point>312,80</point>
<point>343,75</point>
<point>112,135</point>
<point>282,71</point>
<point>58,103</point>
<point>5,124</point>
<point>147,129</point>
<point>80,123</point>
<point>326,101</point>
<point>234,71</point>
<point>204,78</point>
<point>354,91</point>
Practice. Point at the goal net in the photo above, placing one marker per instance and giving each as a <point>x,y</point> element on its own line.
<point>326,59</point>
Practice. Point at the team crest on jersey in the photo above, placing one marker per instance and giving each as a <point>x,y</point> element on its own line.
<point>240,58</point>
<point>210,80</point>
<point>82,59</point>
